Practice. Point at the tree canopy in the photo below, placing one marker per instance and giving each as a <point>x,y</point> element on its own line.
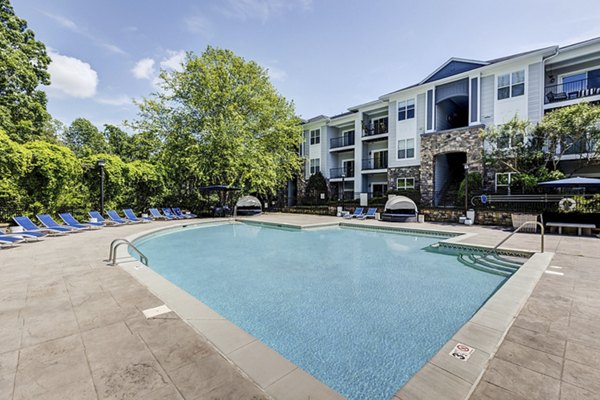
<point>222,121</point>
<point>23,68</point>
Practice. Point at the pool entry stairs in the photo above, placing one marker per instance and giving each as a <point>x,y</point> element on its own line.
<point>492,263</point>
<point>482,260</point>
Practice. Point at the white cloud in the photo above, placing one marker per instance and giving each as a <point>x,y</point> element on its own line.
<point>71,25</point>
<point>262,9</point>
<point>199,24</point>
<point>121,100</point>
<point>173,60</point>
<point>276,74</point>
<point>144,69</point>
<point>71,76</point>
<point>62,21</point>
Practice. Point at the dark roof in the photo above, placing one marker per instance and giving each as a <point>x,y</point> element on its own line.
<point>453,66</point>
<point>497,60</point>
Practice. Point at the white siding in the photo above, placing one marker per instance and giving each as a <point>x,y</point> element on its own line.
<point>535,93</point>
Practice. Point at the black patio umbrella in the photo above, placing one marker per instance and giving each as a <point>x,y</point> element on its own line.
<point>572,182</point>
<point>218,188</point>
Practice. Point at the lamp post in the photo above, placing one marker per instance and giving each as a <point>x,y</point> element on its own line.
<point>343,186</point>
<point>466,166</point>
<point>101,163</point>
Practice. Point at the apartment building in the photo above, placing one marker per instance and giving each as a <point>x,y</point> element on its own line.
<point>423,135</point>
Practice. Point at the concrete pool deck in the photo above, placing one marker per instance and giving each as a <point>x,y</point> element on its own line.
<point>71,327</point>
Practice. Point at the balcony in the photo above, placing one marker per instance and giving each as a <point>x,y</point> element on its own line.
<point>379,127</point>
<point>374,163</point>
<point>571,91</point>
<point>341,141</point>
<point>348,172</point>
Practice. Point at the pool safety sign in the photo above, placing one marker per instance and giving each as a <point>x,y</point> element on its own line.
<point>462,352</point>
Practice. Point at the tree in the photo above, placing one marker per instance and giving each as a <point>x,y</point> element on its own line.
<point>315,186</point>
<point>573,130</point>
<point>118,142</point>
<point>222,121</point>
<point>84,138</point>
<point>23,67</point>
<point>53,180</point>
<point>115,180</point>
<point>16,161</point>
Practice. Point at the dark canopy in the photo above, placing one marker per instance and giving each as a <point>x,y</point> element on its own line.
<point>572,182</point>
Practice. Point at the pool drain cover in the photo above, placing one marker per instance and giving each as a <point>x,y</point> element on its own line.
<point>156,311</point>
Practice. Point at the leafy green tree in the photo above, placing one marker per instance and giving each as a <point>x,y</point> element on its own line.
<point>145,146</point>
<point>145,185</point>
<point>573,130</point>
<point>222,121</point>
<point>16,161</point>
<point>53,180</point>
<point>84,138</point>
<point>115,180</point>
<point>23,67</point>
<point>315,186</point>
<point>118,141</point>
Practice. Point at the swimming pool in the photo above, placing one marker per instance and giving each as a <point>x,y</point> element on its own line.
<point>360,310</point>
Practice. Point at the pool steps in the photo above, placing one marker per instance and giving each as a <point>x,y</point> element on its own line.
<point>490,263</point>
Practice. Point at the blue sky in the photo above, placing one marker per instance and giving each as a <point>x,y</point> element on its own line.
<point>325,55</point>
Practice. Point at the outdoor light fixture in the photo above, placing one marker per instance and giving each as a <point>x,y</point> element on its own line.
<point>101,164</point>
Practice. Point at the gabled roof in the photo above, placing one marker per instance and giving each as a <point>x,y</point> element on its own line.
<point>343,114</point>
<point>453,66</point>
<point>315,119</point>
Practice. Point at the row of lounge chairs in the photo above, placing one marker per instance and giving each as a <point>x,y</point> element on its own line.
<point>358,213</point>
<point>31,231</point>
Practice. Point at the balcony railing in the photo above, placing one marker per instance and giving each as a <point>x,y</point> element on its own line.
<point>374,163</point>
<point>570,90</point>
<point>341,141</point>
<point>378,128</point>
<point>337,172</point>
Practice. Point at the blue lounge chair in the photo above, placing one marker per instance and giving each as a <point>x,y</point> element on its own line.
<point>9,240</point>
<point>357,213</point>
<point>71,221</point>
<point>157,215</point>
<point>48,222</point>
<point>370,214</point>
<point>102,220</point>
<point>32,229</point>
<point>113,215</point>
<point>130,215</point>
<point>169,213</point>
<point>179,213</point>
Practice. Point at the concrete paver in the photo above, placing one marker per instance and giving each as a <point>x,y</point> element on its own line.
<point>71,327</point>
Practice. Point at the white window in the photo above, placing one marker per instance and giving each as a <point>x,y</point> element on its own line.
<point>406,148</point>
<point>315,165</point>
<point>406,109</point>
<point>315,136</point>
<point>405,183</point>
<point>511,85</point>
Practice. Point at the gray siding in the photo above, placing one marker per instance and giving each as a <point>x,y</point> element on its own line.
<point>487,99</point>
<point>474,99</point>
<point>421,113</point>
<point>534,93</point>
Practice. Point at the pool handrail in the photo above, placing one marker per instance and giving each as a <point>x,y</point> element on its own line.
<point>112,256</point>
<point>519,228</point>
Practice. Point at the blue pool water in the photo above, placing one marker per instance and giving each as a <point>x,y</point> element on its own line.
<point>360,310</point>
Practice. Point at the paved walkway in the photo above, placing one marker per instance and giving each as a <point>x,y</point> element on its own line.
<point>72,328</point>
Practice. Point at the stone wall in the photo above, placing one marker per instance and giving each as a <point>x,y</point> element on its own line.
<point>482,217</point>
<point>404,172</point>
<point>467,140</point>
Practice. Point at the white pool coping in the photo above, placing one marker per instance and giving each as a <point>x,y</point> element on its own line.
<point>441,377</point>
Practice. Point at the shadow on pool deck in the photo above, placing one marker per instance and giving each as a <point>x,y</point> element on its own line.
<point>72,328</point>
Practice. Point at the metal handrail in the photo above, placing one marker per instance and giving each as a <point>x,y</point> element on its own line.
<point>519,228</point>
<point>112,256</point>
